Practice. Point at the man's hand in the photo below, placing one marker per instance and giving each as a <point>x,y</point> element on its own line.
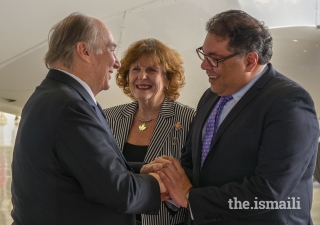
<point>163,190</point>
<point>154,166</point>
<point>175,180</point>
<point>150,167</point>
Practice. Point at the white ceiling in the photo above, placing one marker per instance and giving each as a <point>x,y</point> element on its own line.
<point>178,23</point>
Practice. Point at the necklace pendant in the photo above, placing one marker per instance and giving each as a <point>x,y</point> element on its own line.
<point>142,127</point>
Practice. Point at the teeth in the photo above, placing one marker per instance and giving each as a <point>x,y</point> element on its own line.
<point>213,77</point>
<point>143,86</point>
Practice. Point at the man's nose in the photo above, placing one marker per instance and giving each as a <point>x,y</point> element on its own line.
<point>205,65</point>
<point>117,63</point>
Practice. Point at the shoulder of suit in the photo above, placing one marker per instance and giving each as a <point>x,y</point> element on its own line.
<point>282,85</point>
<point>180,106</point>
<point>181,110</point>
<point>208,94</point>
<point>272,80</point>
<point>116,111</point>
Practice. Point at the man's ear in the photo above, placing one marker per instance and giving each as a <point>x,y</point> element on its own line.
<point>251,61</point>
<point>83,51</point>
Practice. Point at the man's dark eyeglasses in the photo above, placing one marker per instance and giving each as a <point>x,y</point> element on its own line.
<point>213,62</point>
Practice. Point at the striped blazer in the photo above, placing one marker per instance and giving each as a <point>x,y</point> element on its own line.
<point>168,138</point>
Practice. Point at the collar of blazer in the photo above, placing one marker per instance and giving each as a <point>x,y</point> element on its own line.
<point>60,76</point>
<point>263,80</point>
<point>163,127</point>
<point>65,78</point>
<point>68,80</point>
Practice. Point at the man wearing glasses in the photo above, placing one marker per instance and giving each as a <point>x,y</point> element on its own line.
<point>252,148</point>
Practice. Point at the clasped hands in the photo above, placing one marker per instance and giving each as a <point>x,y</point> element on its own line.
<point>172,179</point>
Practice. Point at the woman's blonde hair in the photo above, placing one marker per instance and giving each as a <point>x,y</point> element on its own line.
<point>169,60</point>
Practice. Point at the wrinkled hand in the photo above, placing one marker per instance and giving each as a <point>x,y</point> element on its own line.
<point>163,190</point>
<point>175,180</point>
<point>165,196</point>
<point>150,167</point>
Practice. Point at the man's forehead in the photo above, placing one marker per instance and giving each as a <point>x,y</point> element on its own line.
<point>217,38</point>
<point>214,44</point>
<point>107,35</point>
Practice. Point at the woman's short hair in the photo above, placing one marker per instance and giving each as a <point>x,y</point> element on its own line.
<point>169,60</point>
<point>64,36</point>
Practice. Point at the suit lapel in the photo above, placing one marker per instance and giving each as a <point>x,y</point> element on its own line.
<point>101,116</point>
<point>203,114</point>
<point>103,120</point>
<point>66,79</point>
<point>245,100</point>
<point>163,127</point>
<point>252,92</point>
<point>127,114</point>
<point>236,110</point>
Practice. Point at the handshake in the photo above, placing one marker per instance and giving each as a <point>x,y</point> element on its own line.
<point>172,179</point>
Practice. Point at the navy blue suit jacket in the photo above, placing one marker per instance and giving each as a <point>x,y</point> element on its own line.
<point>67,167</point>
<point>264,150</point>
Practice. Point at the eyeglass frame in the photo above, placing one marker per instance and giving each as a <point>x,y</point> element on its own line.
<point>200,51</point>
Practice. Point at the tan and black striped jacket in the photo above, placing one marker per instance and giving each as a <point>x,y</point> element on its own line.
<point>166,140</point>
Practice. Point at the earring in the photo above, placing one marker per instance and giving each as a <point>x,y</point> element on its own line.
<point>165,88</point>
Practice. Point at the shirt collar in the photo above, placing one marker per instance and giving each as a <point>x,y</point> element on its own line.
<point>84,84</point>
<point>239,94</point>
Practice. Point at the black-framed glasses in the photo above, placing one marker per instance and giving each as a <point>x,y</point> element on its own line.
<point>213,62</point>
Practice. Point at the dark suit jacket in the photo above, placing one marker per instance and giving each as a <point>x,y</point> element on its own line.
<point>317,169</point>
<point>264,150</point>
<point>67,167</point>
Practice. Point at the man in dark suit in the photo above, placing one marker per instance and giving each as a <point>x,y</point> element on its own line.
<point>317,169</point>
<point>264,130</point>
<point>67,167</point>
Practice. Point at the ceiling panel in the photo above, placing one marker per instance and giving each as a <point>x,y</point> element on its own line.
<point>178,23</point>
<point>25,24</point>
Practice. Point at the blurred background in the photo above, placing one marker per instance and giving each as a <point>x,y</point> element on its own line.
<point>294,24</point>
<point>25,25</point>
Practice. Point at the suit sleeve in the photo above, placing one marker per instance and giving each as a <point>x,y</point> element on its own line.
<point>317,170</point>
<point>88,152</point>
<point>136,166</point>
<point>287,153</point>
<point>186,157</point>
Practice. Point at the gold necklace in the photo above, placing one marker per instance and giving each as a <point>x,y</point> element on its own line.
<point>143,126</point>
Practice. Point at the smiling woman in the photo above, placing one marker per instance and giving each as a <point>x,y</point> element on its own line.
<point>154,124</point>
<point>158,54</point>
<point>147,81</point>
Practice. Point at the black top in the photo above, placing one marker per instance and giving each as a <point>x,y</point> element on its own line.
<point>134,153</point>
